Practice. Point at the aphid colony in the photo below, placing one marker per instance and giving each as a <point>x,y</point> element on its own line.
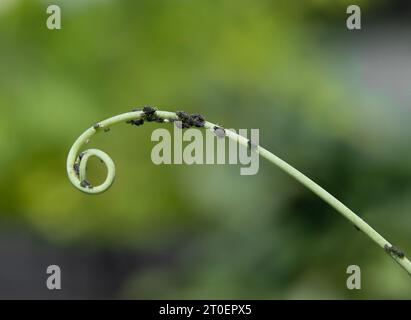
<point>394,251</point>
<point>184,121</point>
<point>149,116</point>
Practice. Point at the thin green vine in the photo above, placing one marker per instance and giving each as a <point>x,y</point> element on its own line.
<point>77,164</point>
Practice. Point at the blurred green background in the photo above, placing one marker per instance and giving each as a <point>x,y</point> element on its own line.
<point>334,103</point>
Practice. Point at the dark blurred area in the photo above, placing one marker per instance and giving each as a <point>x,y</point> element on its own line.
<point>332,102</point>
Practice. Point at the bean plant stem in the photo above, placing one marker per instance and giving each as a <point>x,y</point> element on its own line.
<point>77,163</point>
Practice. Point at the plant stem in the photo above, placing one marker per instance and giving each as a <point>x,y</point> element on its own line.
<point>76,170</point>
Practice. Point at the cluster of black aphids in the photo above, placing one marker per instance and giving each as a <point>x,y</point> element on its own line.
<point>149,115</point>
<point>186,120</point>
<point>394,250</point>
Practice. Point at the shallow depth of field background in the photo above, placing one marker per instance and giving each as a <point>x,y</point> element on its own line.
<point>334,103</point>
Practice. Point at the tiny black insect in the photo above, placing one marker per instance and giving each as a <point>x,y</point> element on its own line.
<point>96,126</point>
<point>76,168</point>
<point>184,120</point>
<point>81,155</point>
<point>183,116</point>
<point>251,145</point>
<point>137,122</point>
<point>394,250</point>
<point>149,110</point>
<point>398,252</point>
<point>197,120</point>
<point>149,113</point>
<point>86,184</point>
<point>106,129</point>
<point>219,132</point>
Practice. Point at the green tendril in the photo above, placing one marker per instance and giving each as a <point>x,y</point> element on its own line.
<point>77,164</point>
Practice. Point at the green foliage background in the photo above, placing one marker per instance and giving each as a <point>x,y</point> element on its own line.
<point>290,69</point>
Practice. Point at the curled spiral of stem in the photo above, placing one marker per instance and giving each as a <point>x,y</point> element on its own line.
<point>77,164</point>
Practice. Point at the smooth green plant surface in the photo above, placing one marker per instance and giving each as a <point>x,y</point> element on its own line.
<point>77,164</point>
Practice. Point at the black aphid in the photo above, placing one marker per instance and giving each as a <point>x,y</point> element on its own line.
<point>219,132</point>
<point>76,168</point>
<point>184,119</point>
<point>394,251</point>
<point>81,155</point>
<point>96,126</point>
<point>397,252</point>
<point>106,129</point>
<point>198,120</point>
<point>251,145</point>
<point>148,110</point>
<point>137,122</point>
<point>183,116</point>
<point>86,184</point>
<point>149,113</point>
